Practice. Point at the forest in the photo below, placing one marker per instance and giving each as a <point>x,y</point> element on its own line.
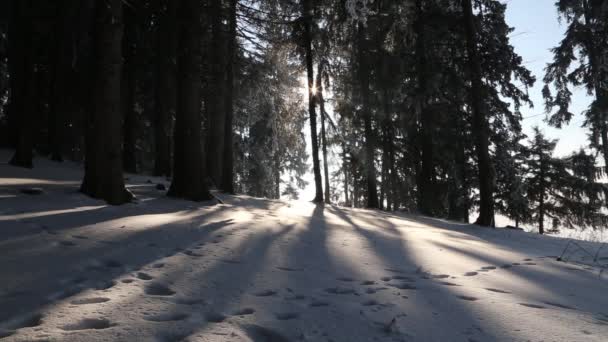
<point>416,104</point>
<point>303,170</point>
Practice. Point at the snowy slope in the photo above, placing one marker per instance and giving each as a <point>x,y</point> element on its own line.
<point>74,269</point>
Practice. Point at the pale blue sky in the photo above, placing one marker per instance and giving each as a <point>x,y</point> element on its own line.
<point>537,30</point>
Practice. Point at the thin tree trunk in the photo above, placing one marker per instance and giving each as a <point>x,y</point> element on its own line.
<point>227,184</point>
<point>21,67</point>
<point>128,88</point>
<point>216,116</point>
<point>345,168</point>
<point>308,20</point>
<point>480,123</point>
<point>323,134</point>
<point>370,145</point>
<point>165,92</point>
<point>541,200</point>
<point>103,176</point>
<point>188,169</point>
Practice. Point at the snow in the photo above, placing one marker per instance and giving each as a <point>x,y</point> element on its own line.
<point>75,269</point>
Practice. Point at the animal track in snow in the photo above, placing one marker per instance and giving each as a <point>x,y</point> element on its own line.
<point>470,274</point>
<point>447,283</point>
<point>368,282</point>
<point>488,268</point>
<point>469,298</point>
<point>88,324</point>
<point>127,281</point>
<point>92,300</point>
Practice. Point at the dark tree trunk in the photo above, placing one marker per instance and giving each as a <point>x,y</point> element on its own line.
<point>480,123</point>
<point>103,176</point>
<point>188,170</point>
<point>541,199</point>
<point>128,86</point>
<point>165,92</point>
<point>345,167</point>
<point>370,144</point>
<point>216,116</point>
<point>22,117</point>
<point>308,21</point>
<point>426,177</point>
<point>322,112</point>
<point>227,184</point>
<point>62,77</point>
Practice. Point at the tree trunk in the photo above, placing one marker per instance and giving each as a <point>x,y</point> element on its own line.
<point>22,115</point>
<point>370,144</point>
<point>541,200</point>
<point>345,168</point>
<point>103,176</point>
<point>62,81</point>
<point>188,170</point>
<point>480,123</point>
<point>308,21</point>
<point>216,117</point>
<point>128,88</point>
<point>227,184</point>
<point>323,134</point>
<point>426,177</point>
<point>165,92</point>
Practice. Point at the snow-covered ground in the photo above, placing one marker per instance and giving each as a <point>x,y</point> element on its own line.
<point>74,269</point>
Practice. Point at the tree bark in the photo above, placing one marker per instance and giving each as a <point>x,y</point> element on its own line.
<point>322,112</point>
<point>345,167</point>
<point>308,21</point>
<point>62,81</point>
<point>165,87</point>
<point>370,145</point>
<point>480,123</point>
<point>227,184</point>
<point>21,68</point>
<point>103,176</point>
<point>426,177</point>
<point>216,116</point>
<point>129,83</point>
<point>188,170</point>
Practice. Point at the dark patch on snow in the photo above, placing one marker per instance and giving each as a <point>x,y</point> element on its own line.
<point>88,324</point>
<point>167,317</point>
<point>92,300</point>
<point>215,317</point>
<point>534,306</point>
<point>497,290</point>
<point>157,289</point>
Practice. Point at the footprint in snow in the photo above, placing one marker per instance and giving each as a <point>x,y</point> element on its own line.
<point>167,317</point>
<point>404,286</point>
<point>157,289</point>
<point>488,268</point>
<point>92,300</point>
<point>534,306</point>
<point>66,243</point>
<point>447,283</point>
<point>215,317</point>
<point>370,302</point>
<point>244,312</point>
<point>345,279</point>
<point>471,299</point>
<point>368,282</point>
<point>561,306</point>
<point>127,281</point>
<point>284,316</point>
<point>340,290</point>
<point>497,290</point>
<point>88,324</point>
<point>265,293</point>
<point>144,276</point>
<point>26,321</point>
<point>470,274</point>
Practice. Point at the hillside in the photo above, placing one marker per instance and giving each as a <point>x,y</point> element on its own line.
<point>75,269</point>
